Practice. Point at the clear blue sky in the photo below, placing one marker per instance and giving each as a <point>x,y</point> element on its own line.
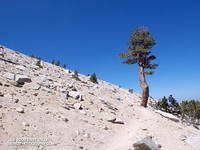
<point>88,35</point>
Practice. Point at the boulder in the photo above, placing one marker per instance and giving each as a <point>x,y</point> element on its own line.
<point>168,115</point>
<point>21,79</point>
<point>146,144</point>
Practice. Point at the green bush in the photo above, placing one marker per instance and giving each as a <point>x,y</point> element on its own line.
<point>169,104</point>
<point>58,63</point>
<point>64,66</point>
<point>75,75</point>
<point>93,78</point>
<point>38,63</point>
<point>190,110</point>
<point>53,62</point>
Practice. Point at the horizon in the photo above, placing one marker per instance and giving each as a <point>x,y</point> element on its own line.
<point>88,36</point>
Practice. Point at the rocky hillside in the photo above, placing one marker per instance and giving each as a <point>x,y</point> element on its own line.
<point>42,107</point>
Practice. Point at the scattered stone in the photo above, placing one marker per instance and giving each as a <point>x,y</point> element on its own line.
<point>20,110</point>
<point>22,68</point>
<point>74,94</point>
<point>16,100</point>
<point>6,85</point>
<point>83,112</point>
<point>77,106</point>
<point>105,128</point>
<point>1,84</point>
<point>21,79</point>
<point>144,129</point>
<point>168,115</point>
<point>87,135</point>
<point>35,94</point>
<point>196,126</point>
<point>1,106</point>
<point>116,120</point>
<point>9,76</point>
<point>47,112</point>
<point>65,119</point>
<point>25,124</point>
<point>1,94</point>
<point>14,83</point>
<point>182,137</point>
<point>146,144</point>
<point>36,87</point>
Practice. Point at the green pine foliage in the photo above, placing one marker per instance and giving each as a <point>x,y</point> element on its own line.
<point>139,50</point>
<point>93,78</point>
<point>57,63</point>
<point>163,104</point>
<point>53,62</point>
<point>75,75</point>
<point>190,110</point>
<point>38,63</point>
<point>64,66</point>
<point>169,104</point>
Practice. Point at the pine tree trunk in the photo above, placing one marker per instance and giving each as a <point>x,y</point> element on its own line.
<point>144,86</point>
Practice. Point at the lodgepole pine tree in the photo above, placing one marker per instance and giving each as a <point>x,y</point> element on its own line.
<point>139,53</point>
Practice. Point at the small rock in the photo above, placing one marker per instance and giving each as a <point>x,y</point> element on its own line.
<point>83,112</point>
<point>16,100</point>
<point>105,128</point>
<point>9,76</point>
<point>77,106</point>
<point>146,144</point>
<point>63,91</point>
<point>36,87</point>
<point>1,94</point>
<point>87,135</point>
<point>74,94</point>
<point>116,120</point>
<point>35,94</point>
<point>65,119</point>
<point>22,68</point>
<point>6,85</point>
<point>47,112</point>
<point>16,84</point>
<point>20,110</point>
<point>25,124</point>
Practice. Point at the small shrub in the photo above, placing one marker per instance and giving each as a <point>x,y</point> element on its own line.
<point>190,110</point>
<point>93,78</point>
<point>75,75</point>
<point>64,66</point>
<point>130,90</point>
<point>58,63</point>
<point>53,62</point>
<point>163,104</point>
<point>38,63</point>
